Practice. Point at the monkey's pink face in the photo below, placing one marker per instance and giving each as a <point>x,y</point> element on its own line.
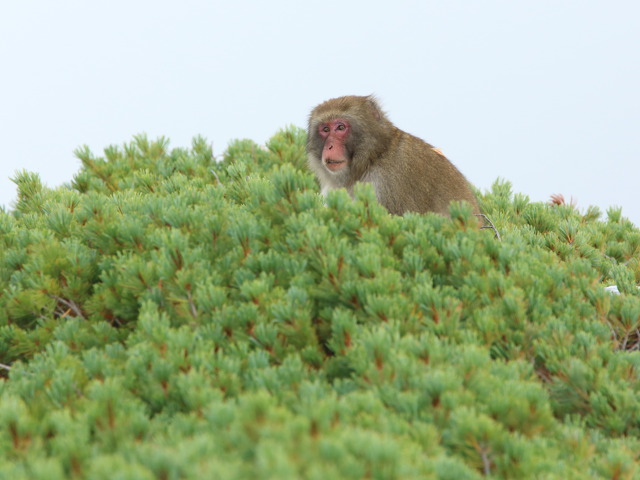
<point>334,152</point>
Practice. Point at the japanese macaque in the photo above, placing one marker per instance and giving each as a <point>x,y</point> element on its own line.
<point>351,140</point>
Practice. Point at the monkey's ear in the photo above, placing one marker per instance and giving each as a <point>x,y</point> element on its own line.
<point>374,105</point>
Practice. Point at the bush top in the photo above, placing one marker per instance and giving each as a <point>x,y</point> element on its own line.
<point>171,315</point>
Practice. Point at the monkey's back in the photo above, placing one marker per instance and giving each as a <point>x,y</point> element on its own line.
<point>417,178</point>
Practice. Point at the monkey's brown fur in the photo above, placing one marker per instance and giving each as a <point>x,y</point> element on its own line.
<point>407,173</point>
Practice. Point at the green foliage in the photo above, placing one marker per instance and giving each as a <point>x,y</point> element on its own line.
<point>171,316</point>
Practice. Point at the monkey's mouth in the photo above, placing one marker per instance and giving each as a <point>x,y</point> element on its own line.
<point>335,165</point>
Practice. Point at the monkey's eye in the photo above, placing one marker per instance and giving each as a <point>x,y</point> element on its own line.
<point>325,129</point>
<point>340,126</point>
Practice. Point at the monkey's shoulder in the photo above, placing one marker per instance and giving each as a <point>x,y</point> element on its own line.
<point>408,140</point>
<point>418,151</point>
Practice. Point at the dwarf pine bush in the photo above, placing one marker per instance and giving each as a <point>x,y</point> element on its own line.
<point>170,316</point>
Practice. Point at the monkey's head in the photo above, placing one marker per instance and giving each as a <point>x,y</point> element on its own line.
<point>344,134</point>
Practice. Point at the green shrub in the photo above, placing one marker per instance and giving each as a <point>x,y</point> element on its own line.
<point>168,315</point>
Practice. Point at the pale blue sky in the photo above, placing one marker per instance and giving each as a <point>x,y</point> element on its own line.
<point>542,93</point>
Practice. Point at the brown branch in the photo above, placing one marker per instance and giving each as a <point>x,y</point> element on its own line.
<point>216,175</point>
<point>71,304</point>
<point>491,225</point>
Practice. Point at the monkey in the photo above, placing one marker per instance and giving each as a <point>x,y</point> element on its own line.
<point>350,140</point>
